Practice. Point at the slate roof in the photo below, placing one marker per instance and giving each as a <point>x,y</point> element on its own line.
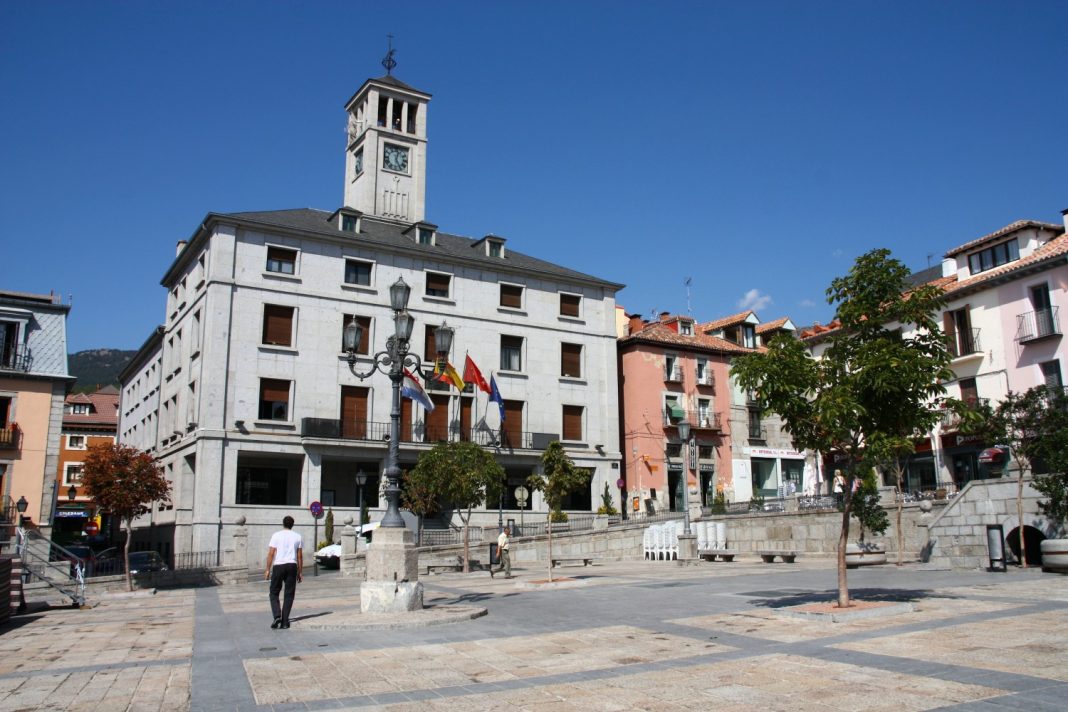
<point>1007,230</point>
<point>659,334</point>
<point>388,234</point>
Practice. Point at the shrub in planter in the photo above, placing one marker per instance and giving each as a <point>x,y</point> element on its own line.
<point>872,518</point>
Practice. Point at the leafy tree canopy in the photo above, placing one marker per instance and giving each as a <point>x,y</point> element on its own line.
<point>123,480</point>
<point>459,475</point>
<point>559,476</point>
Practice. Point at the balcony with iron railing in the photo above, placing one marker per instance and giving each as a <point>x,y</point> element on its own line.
<point>698,419</point>
<point>1038,325</point>
<point>707,382</point>
<point>963,343</point>
<point>16,357</point>
<point>9,437</point>
<point>421,433</point>
<point>673,374</point>
<point>951,420</point>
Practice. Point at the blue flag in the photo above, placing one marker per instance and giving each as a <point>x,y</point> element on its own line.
<point>495,395</point>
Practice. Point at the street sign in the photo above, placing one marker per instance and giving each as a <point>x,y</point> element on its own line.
<point>521,495</point>
<point>91,528</point>
<point>316,509</point>
<point>620,483</point>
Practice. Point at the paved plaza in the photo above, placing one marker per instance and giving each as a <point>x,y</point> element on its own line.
<point>633,635</point>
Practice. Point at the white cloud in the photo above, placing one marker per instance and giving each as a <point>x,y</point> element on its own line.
<point>837,252</point>
<point>806,303</point>
<point>754,300</point>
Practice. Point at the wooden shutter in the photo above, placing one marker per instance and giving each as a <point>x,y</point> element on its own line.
<point>437,422</point>
<point>437,284</point>
<point>274,390</point>
<point>572,422</point>
<point>569,304</point>
<point>571,360</point>
<point>288,258</point>
<point>969,393</point>
<point>354,412</point>
<point>406,420</point>
<point>511,296</point>
<point>277,325</point>
<point>512,428</point>
<point>465,418</point>
<point>430,349</point>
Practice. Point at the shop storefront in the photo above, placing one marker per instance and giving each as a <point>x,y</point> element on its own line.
<point>961,452</point>
<point>776,471</point>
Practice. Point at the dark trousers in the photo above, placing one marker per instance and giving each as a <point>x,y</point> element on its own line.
<point>283,574</point>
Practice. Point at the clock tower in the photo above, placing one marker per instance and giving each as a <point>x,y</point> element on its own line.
<point>385,155</point>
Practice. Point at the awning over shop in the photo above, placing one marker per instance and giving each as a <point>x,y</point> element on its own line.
<point>676,411</point>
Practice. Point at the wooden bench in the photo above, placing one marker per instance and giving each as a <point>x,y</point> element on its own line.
<point>585,560</point>
<point>769,556</point>
<point>442,563</point>
<point>723,554</point>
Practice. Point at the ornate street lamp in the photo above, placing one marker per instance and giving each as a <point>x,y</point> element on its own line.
<point>22,505</point>
<point>392,362</point>
<point>684,435</point>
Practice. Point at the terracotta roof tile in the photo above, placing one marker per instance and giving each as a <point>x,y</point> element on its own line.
<point>1053,248</point>
<point>660,334</point>
<point>105,409</point>
<point>725,321</point>
<point>772,325</point>
<point>1007,230</point>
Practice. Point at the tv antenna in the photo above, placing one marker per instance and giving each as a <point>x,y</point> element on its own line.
<point>688,282</point>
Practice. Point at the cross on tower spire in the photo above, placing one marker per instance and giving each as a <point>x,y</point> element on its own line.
<point>388,62</point>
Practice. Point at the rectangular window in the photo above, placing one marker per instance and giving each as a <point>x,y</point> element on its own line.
<point>569,305</point>
<point>437,284</point>
<point>358,272</point>
<point>430,348</point>
<point>511,296</point>
<point>705,452</point>
<point>994,256</point>
<point>673,450</point>
<point>672,370</point>
<point>686,328</point>
<point>511,353</point>
<point>281,260</point>
<point>495,248</point>
<point>263,485</point>
<point>1051,374</point>
<point>571,360</point>
<point>426,236</point>
<point>572,429</point>
<point>364,347</point>
<point>749,336</point>
<point>756,430</point>
<point>194,336</point>
<point>274,399</point>
<point>72,473</point>
<point>349,223</point>
<point>277,325</point>
<point>969,392</point>
<point>75,442</point>
<point>704,413</point>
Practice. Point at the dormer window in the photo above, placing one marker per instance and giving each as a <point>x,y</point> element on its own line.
<point>749,336</point>
<point>350,223</point>
<point>686,328</point>
<point>425,236</point>
<point>994,256</point>
<point>495,248</point>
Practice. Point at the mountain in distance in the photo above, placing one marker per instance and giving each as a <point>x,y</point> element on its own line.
<point>97,368</point>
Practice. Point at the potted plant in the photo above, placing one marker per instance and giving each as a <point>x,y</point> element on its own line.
<point>872,518</point>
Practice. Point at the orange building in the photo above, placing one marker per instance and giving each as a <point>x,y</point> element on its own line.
<point>88,420</point>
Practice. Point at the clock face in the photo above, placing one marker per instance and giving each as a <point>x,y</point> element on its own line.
<point>395,158</point>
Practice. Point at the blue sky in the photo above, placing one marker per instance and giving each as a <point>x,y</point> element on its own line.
<point>756,147</point>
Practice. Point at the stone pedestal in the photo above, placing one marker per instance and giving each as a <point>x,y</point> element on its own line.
<point>392,583</point>
<point>348,549</point>
<point>687,547</point>
<point>239,557</point>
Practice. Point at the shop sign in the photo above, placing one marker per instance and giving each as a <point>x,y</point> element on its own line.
<point>774,452</point>
<point>954,440</point>
<point>72,514</point>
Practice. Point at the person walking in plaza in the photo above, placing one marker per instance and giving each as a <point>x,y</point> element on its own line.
<point>503,554</point>
<point>285,563</point>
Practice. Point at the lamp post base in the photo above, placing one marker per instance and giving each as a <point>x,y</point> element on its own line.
<point>392,584</point>
<point>687,547</point>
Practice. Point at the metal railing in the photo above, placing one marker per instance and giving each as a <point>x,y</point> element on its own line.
<point>334,428</point>
<point>642,518</point>
<point>8,511</point>
<point>1038,324</point>
<point>771,504</point>
<point>700,420</point>
<point>17,358</point>
<point>51,563</point>
<point>196,560</point>
<point>9,436</point>
<point>450,537</point>
<point>963,343</point>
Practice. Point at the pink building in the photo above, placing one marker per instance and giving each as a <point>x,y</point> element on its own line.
<point>670,372</point>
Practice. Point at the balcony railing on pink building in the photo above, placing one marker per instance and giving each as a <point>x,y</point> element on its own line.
<point>963,342</point>
<point>9,437</point>
<point>700,420</point>
<point>1040,324</point>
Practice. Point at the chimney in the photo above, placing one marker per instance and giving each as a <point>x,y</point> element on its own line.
<point>1064,214</point>
<point>181,246</point>
<point>636,323</point>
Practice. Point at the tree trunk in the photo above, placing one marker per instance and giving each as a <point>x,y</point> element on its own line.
<point>467,546</point>
<point>126,555</point>
<point>549,522</point>
<point>1020,514</point>
<point>900,506</point>
<point>843,541</point>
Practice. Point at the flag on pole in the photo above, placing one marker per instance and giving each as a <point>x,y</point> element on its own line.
<point>495,395</point>
<point>473,375</point>
<point>444,372</point>
<point>411,389</point>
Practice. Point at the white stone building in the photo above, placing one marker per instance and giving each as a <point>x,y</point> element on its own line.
<point>258,413</point>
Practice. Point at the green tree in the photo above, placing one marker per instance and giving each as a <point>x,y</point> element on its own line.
<point>419,495</point>
<point>607,506</point>
<point>558,478</point>
<point>873,381</point>
<point>458,475</point>
<point>866,508</point>
<point>124,482</point>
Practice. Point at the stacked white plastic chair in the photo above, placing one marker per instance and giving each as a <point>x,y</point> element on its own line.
<point>678,527</point>
<point>666,535</point>
<point>701,530</point>
<point>649,543</point>
<point>721,535</point>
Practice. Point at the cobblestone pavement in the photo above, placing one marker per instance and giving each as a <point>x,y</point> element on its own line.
<point>638,635</point>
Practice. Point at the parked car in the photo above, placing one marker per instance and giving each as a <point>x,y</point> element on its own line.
<point>329,556</point>
<point>145,561</point>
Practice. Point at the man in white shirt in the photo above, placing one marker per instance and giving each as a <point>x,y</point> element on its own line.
<point>503,554</point>
<point>285,562</point>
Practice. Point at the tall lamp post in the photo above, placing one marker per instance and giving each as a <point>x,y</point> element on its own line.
<point>361,481</point>
<point>392,362</point>
<point>392,583</point>
<point>684,435</point>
